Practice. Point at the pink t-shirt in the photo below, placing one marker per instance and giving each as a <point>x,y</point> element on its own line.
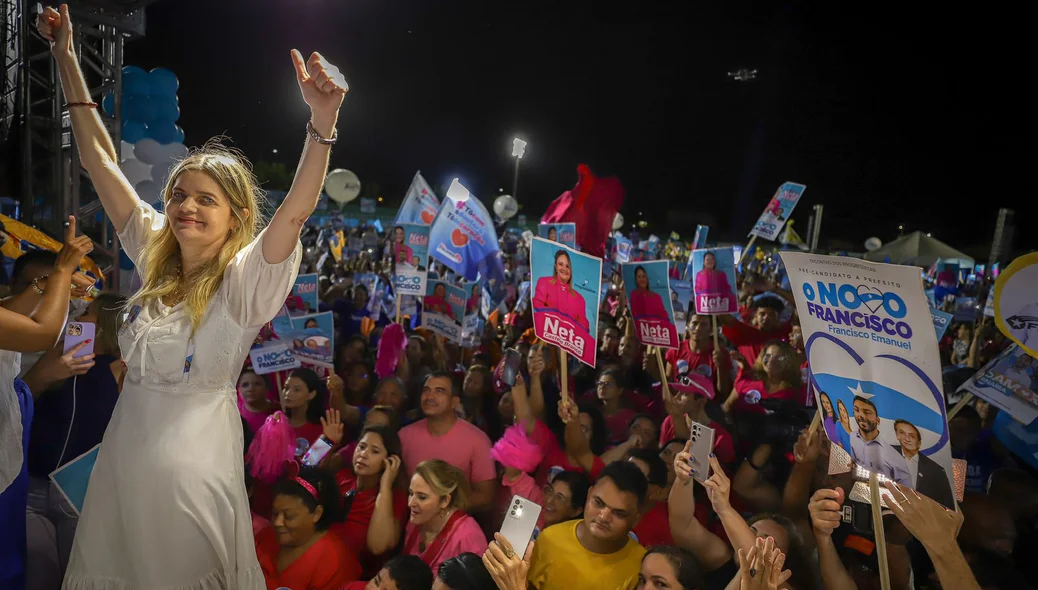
<point>462,535</point>
<point>465,446</point>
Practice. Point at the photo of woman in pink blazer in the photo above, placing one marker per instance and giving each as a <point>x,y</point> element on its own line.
<point>557,292</point>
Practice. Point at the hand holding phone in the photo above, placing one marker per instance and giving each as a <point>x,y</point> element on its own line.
<point>79,333</point>
<point>701,447</point>
<point>511,367</point>
<point>520,522</point>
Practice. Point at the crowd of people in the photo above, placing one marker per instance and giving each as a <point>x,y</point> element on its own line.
<point>421,465</point>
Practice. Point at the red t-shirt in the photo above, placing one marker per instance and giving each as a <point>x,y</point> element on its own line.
<point>750,341</point>
<point>724,448</point>
<point>555,458</point>
<point>354,532</point>
<point>701,362</point>
<point>751,391</point>
<point>327,565</point>
<point>654,527</point>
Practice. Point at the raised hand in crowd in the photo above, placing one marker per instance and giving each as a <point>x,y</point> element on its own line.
<point>760,568</point>
<point>688,532</point>
<point>826,515</point>
<point>508,567</point>
<point>332,427</point>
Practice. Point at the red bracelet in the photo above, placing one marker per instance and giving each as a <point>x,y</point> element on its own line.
<point>68,105</point>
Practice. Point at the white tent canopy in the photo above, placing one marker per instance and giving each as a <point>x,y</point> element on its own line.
<point>919,250</point>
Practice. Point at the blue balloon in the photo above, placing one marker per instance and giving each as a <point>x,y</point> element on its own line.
<point>108,103</point>
<point>180,135</point>
<point>164,133</point>
<point>164,82</point>
<point>166,109</point>
<point>140,108</point>
<point>134,131</point>
<point>136,83</point>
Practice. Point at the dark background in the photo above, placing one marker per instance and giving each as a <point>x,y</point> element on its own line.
<point>890,115</point>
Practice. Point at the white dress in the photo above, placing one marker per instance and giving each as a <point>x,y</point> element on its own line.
<point>166,507</point>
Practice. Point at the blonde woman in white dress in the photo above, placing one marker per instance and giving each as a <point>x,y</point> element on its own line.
<point>166,506</point>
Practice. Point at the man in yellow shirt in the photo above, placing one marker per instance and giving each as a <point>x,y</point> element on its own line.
<point>596,553</point>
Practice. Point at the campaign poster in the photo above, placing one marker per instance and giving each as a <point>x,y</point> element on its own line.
<point>649,297</point>
<point>1016,302</point>
<point>470,333</point>
<point>875,367</point>
<point>566,288</point>
<point>1009,383</point>
<point>941,321</point>
<point>713,281</point>
<point>623,250</point>
<point>312,338</point>
<point>420,204</point>
<point>563,233</point>
<point>778,211</point>
<point>681,301</point>
<point>410,251</point>
<point>1021,439</point>
<point>989,303</point>
<point>305,290</point>
<point>443,309</point>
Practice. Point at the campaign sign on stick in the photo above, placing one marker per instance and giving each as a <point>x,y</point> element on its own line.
<point>312,338</point>
<point>272,357</point>
<point>1016,302</point>
<point>565,298</point>
<point>875,367</point>
<point>1008,382</point>
<point>443,309</point>
<point>713,273</point>
<point>410,251</point>
<point>648,294</point>
<point>563,233</point>
<point>681,301</point>
<point>778,211</point>
<point>420,204</point>
<point>305,288</point>
<point>941,321</point>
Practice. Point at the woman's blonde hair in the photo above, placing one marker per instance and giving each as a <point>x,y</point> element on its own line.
<point>446,479</point>
<point>110,308</point>
<point>161,259</point>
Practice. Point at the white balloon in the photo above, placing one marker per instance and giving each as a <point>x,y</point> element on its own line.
<point>872,244</point>
<point>342,185</point>
<point>618,221</point>
<point>136,171</point>
<point>148,191</point>
<point>126,151</point>
<point>175,152</point>
<point>149,151</point>
<point>505,206</point>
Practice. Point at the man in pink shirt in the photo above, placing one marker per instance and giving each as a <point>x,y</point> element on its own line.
<point>441,435</point>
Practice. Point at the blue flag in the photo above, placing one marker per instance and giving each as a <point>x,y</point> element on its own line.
<point>419,205</point>
<point>463,238</point>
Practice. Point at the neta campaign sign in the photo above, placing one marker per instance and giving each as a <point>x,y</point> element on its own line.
<point>648,295</point>
<point>875,367</point>
<point>563,233</point>
<point>565,298</point>
<point>778,211</point>
<point>443,309</point>
<point>714,281</point>
<point>420,205</point>
<point>1016,302</point>
<point>410,246</point>
<point>1008,382</point>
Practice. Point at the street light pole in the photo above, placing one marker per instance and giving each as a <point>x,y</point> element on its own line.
<point>518,149</point>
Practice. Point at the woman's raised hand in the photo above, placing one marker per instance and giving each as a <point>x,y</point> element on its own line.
<point>56,27</point>
<point>73,251</point>
<point>322,84</point>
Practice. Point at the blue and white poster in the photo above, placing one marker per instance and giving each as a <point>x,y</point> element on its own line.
<point>1021,440</point>
<point>420,204</point>
<point>311,338</point>
<point>566,288</point>
<point>989,303</point>
<point>410,251</point>
<point>463,238</point>
<point>941,321</point>
<point>875,367</point>
<point>563,233</point>
<point>73,477</point>
<point>681,301</point>
<point>623,250</point>
<point>966,309</point>
<point>443,309</point>
<point>1010,383</point>
<point>470,332</point>
<point>774,217</point>
<point>305,288</point>
<point>1016,302</point>
<point>648,295</point>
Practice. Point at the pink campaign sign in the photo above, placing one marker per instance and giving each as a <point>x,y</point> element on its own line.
<point>565,298</point>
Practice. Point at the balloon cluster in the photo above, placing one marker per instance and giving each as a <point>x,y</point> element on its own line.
<point>152,140</point>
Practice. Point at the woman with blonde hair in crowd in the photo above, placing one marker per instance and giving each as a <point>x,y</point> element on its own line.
<point>439,528</point>
<point>167,506</point>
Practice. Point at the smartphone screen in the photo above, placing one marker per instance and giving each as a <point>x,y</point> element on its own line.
<point>316,452</point>
<point>511,367</point>
<point>76,333</point>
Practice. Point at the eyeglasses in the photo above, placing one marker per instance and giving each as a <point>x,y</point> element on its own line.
<point>602,384</point>
<point>550,493</point>
<point>767,357</point>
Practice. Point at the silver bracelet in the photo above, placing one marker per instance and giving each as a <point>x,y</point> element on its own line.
<point>314,135</point>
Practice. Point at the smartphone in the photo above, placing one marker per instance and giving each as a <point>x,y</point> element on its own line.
<point>520,522</point>
<point>702,438</point>
<point>317,451</point>
<point>76,333</point>
<point>510,370</point>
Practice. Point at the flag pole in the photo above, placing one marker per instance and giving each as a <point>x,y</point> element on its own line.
<point>565,378</point>
<point>881,536</point>
<point>746,251</point>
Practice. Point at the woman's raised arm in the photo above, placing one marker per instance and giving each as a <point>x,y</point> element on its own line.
<point>323,88</point>
<point>96,150</point>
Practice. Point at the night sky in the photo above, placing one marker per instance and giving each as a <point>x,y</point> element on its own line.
<point>887,117</point>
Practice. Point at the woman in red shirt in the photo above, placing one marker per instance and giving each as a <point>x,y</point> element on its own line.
<point>296,552</point>
<point>774,376</point>
<point>305,398</point>
<point>375,505</point>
